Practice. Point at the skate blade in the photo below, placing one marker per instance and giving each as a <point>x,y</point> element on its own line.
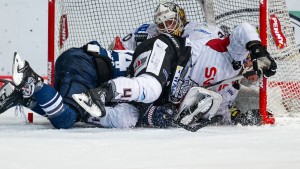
<point>18,64</point>
<point>83,100</point>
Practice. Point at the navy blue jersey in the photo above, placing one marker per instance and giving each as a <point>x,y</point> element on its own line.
<point>75,71</point>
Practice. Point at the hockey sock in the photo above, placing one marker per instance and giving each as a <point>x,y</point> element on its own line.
<point>37,108</point>
<point>59,114</point>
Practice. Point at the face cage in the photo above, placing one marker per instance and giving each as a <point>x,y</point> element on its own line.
<point>169,25</point>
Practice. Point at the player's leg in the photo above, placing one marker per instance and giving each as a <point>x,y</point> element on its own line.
<point>10,97</point>
<point>122,115</point>
<point>47,98</point>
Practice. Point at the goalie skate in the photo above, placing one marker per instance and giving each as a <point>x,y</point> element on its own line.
<point>87,103</point>
<point>24,77</point>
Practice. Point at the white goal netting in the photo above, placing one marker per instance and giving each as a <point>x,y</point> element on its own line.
<point>80,21</point>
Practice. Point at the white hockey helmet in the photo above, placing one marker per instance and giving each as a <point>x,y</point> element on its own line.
<point>170,18</point>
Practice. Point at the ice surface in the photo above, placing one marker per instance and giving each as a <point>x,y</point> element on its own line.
<point>39,146</point>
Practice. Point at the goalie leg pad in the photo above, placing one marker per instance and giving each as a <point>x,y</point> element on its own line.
<point>197,103</point>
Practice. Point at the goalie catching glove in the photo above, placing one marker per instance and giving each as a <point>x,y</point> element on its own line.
<point>263,63</point>
<point>198,109</point>
<point>159,116</point>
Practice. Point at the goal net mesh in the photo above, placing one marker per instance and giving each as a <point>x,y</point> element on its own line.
<point>80,21</point>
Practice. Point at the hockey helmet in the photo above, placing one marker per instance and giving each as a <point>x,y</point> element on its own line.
<point>170,18</point>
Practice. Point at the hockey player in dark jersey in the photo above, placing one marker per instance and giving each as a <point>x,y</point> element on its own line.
<point>76,70</point>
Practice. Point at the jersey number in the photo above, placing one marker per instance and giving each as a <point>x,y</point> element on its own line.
<point>124,61</point>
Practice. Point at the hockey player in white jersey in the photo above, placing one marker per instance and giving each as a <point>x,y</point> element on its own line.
<point>165,67</point>
<point>179,26</point>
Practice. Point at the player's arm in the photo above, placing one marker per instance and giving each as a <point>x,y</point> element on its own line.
<point>244,39</point>
<point>152,66</point>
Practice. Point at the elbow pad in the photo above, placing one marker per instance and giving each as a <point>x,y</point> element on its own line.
<point>144,88</point>
<point>150,88</point>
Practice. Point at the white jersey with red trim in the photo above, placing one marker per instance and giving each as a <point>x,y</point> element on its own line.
<point>208,64</point>
<point>212,62</point>
<point>193,31</point>
<point>201,32</point>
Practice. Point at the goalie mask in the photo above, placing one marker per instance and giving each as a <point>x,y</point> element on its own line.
<point>170,18</point>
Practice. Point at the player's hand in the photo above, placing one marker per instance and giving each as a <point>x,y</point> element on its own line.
<point>159,116</point>
<point>263,63</point>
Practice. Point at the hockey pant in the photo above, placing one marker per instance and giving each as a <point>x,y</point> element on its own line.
<point>122,115</point>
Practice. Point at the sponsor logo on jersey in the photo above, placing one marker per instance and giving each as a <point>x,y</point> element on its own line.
<point>176,85</point>
<point>173,40</point>
<point>140,37</point>
<point>278,36</point>
<point>230,92</point>
<point>202,31</point>
<point>157,57</point>
<point>166,73</point>
<point>142,28</point>
<point>140,62</point>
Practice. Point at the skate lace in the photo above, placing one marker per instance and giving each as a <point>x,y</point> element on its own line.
<point>19,109</point>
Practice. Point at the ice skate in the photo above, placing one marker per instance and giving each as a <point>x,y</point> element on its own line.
<point>93,100</point>
<point>10,96</point>
<point>94,107</point>
<point>24,77</point>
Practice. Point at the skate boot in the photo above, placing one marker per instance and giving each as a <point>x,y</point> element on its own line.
<point>93,100</point>
<point>10,96</point>
<point>24,77</point>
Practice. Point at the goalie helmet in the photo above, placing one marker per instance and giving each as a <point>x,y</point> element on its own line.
<point>170,18</point>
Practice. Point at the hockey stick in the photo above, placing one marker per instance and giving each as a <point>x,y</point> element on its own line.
<point>241,76</point>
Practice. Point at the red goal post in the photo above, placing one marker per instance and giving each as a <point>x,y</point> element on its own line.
<point>72,23</point>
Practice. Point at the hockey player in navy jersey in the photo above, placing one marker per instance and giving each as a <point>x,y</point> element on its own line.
<point>76,70</point>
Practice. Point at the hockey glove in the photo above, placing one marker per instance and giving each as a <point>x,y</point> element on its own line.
<point>251,117</point>
<point>159,116</point>
<point>263,63</point>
